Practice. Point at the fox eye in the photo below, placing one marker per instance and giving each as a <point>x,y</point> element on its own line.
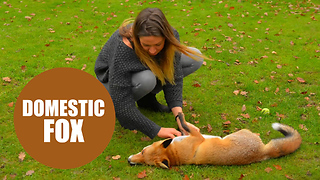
<point>142,152</point>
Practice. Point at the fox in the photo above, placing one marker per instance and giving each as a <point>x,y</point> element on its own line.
<point>239,148</point>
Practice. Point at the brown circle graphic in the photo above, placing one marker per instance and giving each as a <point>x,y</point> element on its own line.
<point>64,118</point>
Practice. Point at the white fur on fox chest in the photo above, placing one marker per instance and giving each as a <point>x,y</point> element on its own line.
<point>180,138</point>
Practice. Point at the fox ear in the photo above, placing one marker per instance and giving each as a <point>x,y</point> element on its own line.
<point>164,164</point>
<point>166,143</point>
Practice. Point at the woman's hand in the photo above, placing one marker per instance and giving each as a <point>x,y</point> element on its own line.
<point>168,133</point>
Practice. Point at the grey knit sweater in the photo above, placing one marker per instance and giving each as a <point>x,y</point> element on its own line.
<point>115,65</point>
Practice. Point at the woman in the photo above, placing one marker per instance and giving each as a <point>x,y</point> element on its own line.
<point>138,61</point>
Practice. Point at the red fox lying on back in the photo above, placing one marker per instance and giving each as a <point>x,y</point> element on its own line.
<point>242,147</point>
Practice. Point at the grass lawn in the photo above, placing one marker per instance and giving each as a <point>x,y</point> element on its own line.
<point>266,55</point>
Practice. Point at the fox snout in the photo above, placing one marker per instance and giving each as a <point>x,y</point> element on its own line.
<point>130,162</point>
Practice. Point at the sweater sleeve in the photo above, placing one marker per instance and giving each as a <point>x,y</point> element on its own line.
<point>173,92</point>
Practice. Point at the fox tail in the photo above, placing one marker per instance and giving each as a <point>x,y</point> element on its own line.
<point>283,146</point>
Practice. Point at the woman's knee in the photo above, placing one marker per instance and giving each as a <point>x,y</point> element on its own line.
<point>199,60</point>
<point>143,82</point>
<point>190,65</point>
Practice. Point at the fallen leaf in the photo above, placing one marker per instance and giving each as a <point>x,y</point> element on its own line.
<point>301,80</point>
<point>22,155</point>
<point>288,177</point>
<point>241,177</point>
<point>226,131</point>
<point>278,167</point>
<point>6,79</point>
<point>134,131</point>
<point>277,90</point>
<point>243,93</point>
<point>84,67</point>
<point>30,172</point>
<point>304,92</point>
<point>209,128</point>
<point>227,123</point>
<point>244,108</point>
<point>224,116</point>
<point>282,116</point>
<point>287,90</point>
<point>236,92</point>
<point>196,85</point>
<point>186,177</point>
<point>309,173</point>
<point>303,127</point>
<point>10,104</point>
<point>117,157</point>
<point>28,17</point>
<point>68,59</point>
<point>268,133</point>
<point>142,174</point>
<point>108,158</point>
<point>184,103</point>
<point>259,108</point>
<point>303,117</point>
<point>245,115</point>
<point>274,105</point>
<point>268,169</point>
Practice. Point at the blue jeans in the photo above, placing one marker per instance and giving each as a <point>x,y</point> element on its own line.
<point>145,82</point>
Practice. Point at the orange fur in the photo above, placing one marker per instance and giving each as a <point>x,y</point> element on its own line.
<point>239,148</point>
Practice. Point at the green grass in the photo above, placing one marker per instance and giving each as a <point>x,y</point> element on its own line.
<point>259,34</point>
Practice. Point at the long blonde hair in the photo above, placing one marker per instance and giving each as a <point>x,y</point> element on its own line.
<point>152,22</point>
